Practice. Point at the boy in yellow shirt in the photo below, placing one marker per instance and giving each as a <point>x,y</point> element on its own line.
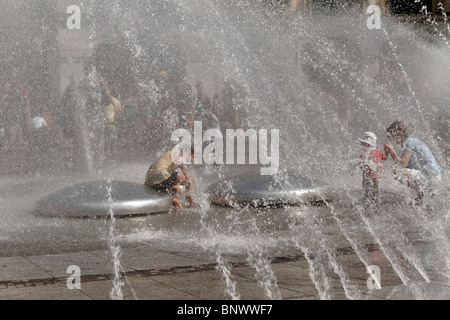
<point>168,174</point>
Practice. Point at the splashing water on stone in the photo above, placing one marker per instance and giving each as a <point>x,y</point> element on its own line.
<point>306,72</point>
<point>115,250</point>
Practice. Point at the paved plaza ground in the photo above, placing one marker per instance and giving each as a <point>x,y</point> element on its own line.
<point>152,273</point>
<point>156,269</point>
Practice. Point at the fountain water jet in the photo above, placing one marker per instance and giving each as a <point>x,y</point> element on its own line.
<point>116,291</point>
<point>261,53</point>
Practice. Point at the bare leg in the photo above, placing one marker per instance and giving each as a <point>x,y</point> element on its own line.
<point>404,177</point>
<point>376,192</point>
<point>191,201</point>
<point>176,188</point>
<point>367,194</point>
<point>176,203</point>
<point>183,180</point>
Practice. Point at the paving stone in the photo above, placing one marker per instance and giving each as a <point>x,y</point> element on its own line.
<point>89,264</point>
<point>149,289</point>
<point>55,291</point>
<point>203,284</point>
<point>144,258</point>
<point>134,288</point>
<point>20,268</point>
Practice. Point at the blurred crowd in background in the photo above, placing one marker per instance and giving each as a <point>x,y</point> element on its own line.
<point>116,121</point>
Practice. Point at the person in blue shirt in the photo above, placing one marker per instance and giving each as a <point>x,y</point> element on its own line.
<point>419,169</point>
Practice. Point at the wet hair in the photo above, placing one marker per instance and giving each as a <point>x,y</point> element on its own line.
<point>399,127</point>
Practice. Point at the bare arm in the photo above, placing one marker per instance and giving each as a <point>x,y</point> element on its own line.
<point>189,180</point>
<point>403,160</point>
<point>184,170</point>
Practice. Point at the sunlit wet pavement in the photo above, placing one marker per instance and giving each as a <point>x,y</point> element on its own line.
<point>153,272</point>
<point>271,253</point>
<point>284,70</point>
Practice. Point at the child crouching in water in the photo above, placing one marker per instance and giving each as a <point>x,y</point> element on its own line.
<point>371,168</point>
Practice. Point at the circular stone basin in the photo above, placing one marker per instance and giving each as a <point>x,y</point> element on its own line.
<point>268,190</point>
<point>90,199</point>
